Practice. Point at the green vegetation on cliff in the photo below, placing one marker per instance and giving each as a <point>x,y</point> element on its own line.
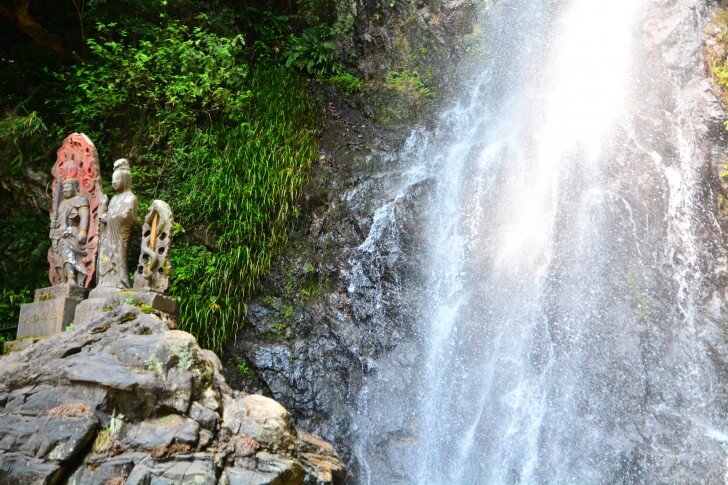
<point>715,51</point>
<point>210,104</point>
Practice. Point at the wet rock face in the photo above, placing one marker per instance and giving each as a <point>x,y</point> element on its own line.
<point>125,398</point>
<point>386,35</point>
<point>339,298</point>
<point>334,303</point>
<point>405,51</point>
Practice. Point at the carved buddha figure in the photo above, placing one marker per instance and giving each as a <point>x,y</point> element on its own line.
<point>117,222</point>
<point>68,234</point>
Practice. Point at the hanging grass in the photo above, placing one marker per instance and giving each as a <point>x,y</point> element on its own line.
<point>240,195</point>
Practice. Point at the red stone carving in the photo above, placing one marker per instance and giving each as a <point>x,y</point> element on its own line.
<point>77,158</point>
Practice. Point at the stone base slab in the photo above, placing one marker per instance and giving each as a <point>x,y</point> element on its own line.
<point>52,310</point>
<point>102,300</point>
<point>89,310</point>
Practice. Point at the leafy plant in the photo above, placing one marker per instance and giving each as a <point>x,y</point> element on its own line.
<point>5,337</point>
<point>15,128</point>
<point>23,246</point>
<point>314,52</point>
<point>244,369</point>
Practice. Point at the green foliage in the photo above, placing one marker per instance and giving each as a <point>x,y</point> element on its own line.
<point>181,75</point>
<point>409,83</point>
<point>10,301</point>
<point>5,337</point>
<point>23,247</point>
<point>244,369</point>
<point>146,309</point>
<point>404,98</point>
<point>270,33</point>
<point>220,128</point>
<point>14,130</point>
<point>720,74</point>
<point>228,146</point>
<point>285,322</point>
<point>348,83</point>
<point>314,52</point>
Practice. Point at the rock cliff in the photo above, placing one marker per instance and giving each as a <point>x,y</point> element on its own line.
<point>333,303</point>
<point>124,399</point>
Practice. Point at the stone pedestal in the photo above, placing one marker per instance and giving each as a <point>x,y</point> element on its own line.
<point>96,304</point>
<point>53,308</point>
<point>102,300</point>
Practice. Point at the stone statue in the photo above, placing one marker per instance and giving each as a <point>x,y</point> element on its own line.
<point>69,233</point>
<point>117,222</point>
<point>154,269</point>
<point>74,212</point>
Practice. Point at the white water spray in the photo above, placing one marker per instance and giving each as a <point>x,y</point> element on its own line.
<point>565,262</point>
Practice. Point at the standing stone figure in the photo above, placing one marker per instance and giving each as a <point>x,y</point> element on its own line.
<point>154,269</point>
<point>76,160</point>
<point>117,222</point>
<point>69,233</point>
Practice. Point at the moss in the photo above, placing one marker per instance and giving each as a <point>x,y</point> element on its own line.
<point>129,317</point>
<point>102,444</point>
<point>146,309</point>
<point>169,419</point>
<point>19,344</point>
<point>348,83</point>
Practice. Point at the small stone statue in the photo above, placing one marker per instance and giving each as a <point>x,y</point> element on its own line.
<point>69,232</point>
<point>117,222</point>
<point>74,212</point>
<point>154,269</point>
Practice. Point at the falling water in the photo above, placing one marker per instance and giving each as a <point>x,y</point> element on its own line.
<point>573,325</point>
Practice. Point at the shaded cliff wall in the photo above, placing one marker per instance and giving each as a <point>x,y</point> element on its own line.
<point>311,336</point>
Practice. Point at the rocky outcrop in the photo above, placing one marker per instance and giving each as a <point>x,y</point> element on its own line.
<point>124,399</point>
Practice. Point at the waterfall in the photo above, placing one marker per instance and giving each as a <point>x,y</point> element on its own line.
<point>573,307</point>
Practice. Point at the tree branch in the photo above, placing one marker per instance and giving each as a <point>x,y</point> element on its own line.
<point>31,28</point>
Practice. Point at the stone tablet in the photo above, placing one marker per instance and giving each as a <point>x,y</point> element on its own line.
<point>53,308</point>
<point>77,160</point>
<point>154,269</point>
